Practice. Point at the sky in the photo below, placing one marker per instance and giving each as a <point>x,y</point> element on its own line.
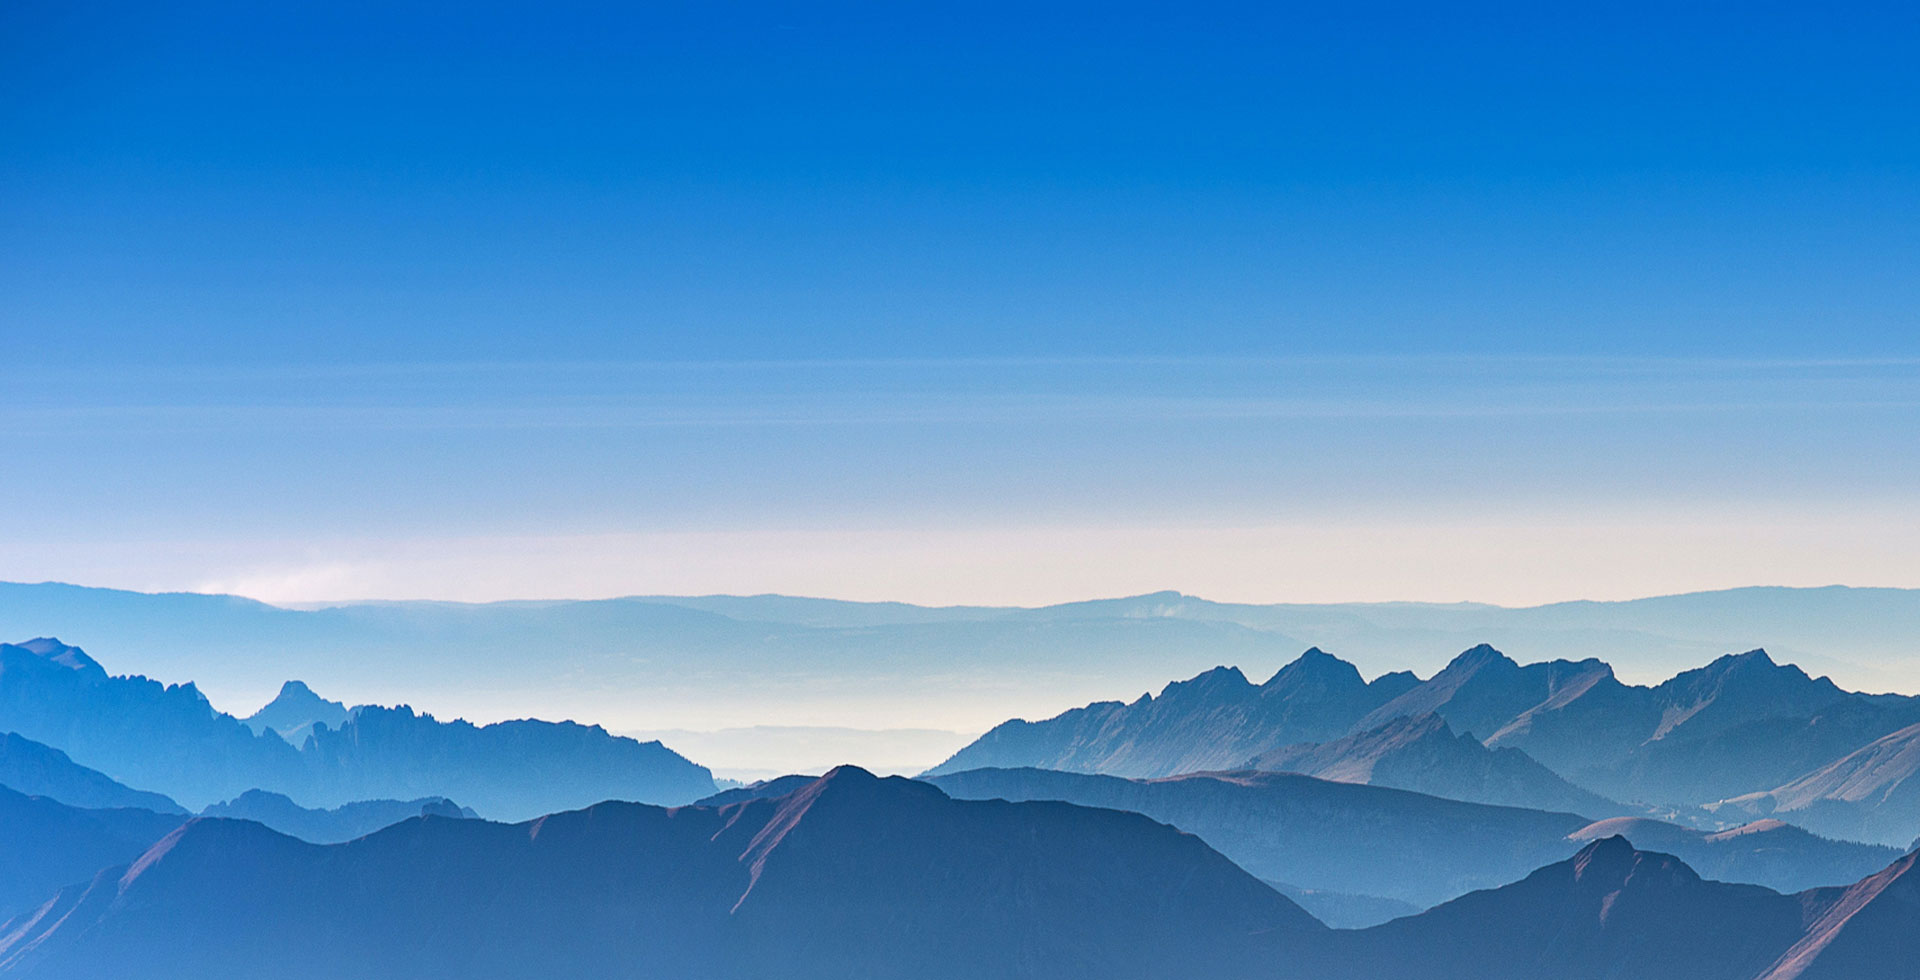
<point>959,302</point>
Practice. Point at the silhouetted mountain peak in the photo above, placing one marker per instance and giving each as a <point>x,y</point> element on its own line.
<point>1605,856</point>
<point>1755,663</point>
<point>1317,669</point>
<point>848,775</point>
<point>1396,682</point>
<point>1479,658</point>
<point>1218,683</point>
<point>1612,864</point>
<point>849,787</point>
<point>295,710</point>
<point>53,651</point>
<point>1740,687</point>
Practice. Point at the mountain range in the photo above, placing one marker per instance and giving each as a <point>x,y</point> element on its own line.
<point>1216,720</point>
<point>171,739</point>
<point>32,769</point>
<point>665,662</point>
<point>1740,725</point>
<point>852,875</point>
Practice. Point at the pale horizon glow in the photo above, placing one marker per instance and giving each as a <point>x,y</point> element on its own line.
<point>1513,563</point>
<point>1511,480</point>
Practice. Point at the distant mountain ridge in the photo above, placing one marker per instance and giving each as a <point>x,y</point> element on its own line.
<point>171,738</point>
<point>1740,724</point>
<point>664,662</point>
<point>331,826</point>
<point>1216,720</point>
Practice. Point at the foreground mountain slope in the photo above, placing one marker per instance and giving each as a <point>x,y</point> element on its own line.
<point>1375,841</point>
<point>1423,754</point>
<point>1613,911</point>
<point>848,876</point>
<point>172,739</point>
<point>1216,720</point>
<point>29,767</point>
<point>1863,932</point>
<point>1608,912</point>
<point>46,845</point>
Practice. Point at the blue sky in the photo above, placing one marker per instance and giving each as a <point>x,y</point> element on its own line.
<point>959,302</point>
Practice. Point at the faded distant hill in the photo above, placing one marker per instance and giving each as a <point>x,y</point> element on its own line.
<point>650,663</point>
<point>331,826</point>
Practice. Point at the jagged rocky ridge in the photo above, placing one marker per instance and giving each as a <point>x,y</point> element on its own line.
<point>1741,724</point>
<point>1217,720</point>
<point>169,738</point>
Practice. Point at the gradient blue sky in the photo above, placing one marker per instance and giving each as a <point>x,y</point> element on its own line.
<point>959,302</point>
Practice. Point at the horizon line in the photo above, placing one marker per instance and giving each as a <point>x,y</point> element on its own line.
<point>319,604</point>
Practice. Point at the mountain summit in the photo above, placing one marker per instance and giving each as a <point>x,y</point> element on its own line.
<point>1215,720</point>
<point>294,711</point>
